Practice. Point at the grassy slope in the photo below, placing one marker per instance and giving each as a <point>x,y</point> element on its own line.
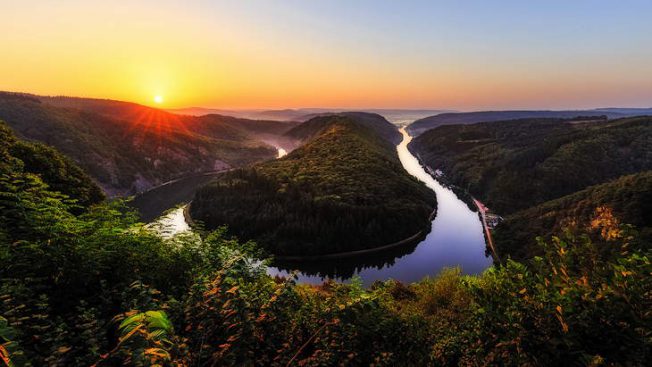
<point>344,190</point>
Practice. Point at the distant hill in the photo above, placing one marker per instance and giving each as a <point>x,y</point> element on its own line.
<point>128,148</point>
<point>318,124</point>
<point>454,118</point>
<point>344,190</point>
<point>223,125</point>
<point>628,111</point>
<point>513,165</point>
<point>257,114</point>
<point>396,116</point>
<point>628,198</point>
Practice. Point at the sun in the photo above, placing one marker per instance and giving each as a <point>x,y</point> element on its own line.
<point>158,99</point>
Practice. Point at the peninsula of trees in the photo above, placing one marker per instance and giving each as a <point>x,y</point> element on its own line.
<point>343,190</point>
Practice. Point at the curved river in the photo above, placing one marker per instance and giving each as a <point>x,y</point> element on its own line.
<point>456,239</point>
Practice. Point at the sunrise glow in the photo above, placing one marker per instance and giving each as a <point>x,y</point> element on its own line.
<point>240,54</point>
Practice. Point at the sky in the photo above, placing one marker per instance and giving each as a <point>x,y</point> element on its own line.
<point>463,55</point>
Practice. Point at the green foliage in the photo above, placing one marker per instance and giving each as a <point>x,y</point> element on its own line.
<point>344,190</point>
<point>545,175</point>
<point>58,172</point>
<point>513,165</point>
<point>10,353</point>
<point>569,305</point>
<point>628,199</point>
<point>144,339</point>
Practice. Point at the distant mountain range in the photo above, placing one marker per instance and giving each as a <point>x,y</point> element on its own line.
<point>454,118</point>
<point>396,116</point>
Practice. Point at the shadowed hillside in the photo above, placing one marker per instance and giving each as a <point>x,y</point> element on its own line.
<point>549,175</point>
<point>53,168</point>
<point>513,165</point>
<point>626,200</point>
<point>128,148</point>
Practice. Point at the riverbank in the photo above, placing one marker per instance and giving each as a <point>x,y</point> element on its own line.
<point>490,243</point>
<point>470,201</point>
<point>455,239</point>
<point>374,250</point>
<point>154,202</point>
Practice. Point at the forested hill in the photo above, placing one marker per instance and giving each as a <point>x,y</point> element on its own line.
<point>549,175</point>
<point>624,200</point>
<point>127,148</point>
<point>459,118</point>
<point>513,165</point>
<point>214,125</point>
<point>52,168</point>
<point>316,125</point>
<point>343,190</point>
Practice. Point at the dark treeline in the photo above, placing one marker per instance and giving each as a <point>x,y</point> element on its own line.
<point>344,190</point>
<point>627,199</point>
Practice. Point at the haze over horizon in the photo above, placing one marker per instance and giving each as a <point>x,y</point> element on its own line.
<point>319,54</point>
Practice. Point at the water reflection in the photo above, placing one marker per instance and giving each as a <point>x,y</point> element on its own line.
<point>456,239</point>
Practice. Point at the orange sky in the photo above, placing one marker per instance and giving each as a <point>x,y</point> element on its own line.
<point>324,54</point>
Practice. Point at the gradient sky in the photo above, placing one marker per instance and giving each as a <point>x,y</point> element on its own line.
<point>466,55</point>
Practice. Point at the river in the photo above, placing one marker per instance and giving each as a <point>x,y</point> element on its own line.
<point>456,239</point>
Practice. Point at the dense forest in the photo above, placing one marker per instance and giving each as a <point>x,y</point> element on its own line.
<point>513,165</point>
<point>316,125</point>
<point>546,176</point>
<point>88,285</point>
<point>344,190</point>
<point>128,148</point>
<point>627,199</point>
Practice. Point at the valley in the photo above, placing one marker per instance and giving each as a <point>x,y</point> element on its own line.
<point>343,190</point>
<point>73,255</point>
<point>128,148</point>
<point>325,183</point>
<point>548,175</point>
